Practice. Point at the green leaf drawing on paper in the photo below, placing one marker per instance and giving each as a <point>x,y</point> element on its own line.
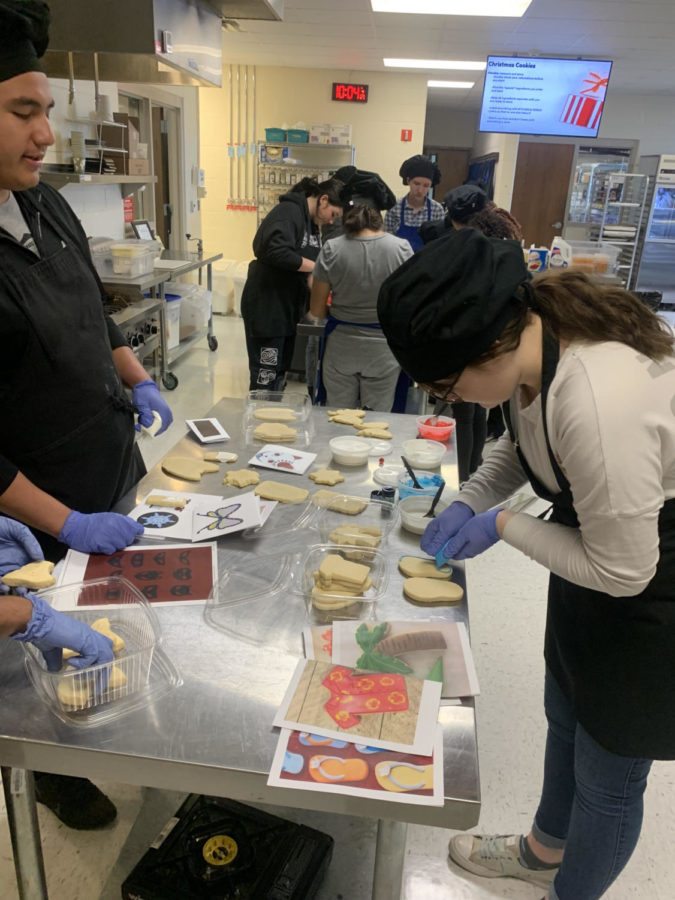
<point>436,671</point>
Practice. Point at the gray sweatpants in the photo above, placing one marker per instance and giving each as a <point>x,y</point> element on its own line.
<point>359,370</point>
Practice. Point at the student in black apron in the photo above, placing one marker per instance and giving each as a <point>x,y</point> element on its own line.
<point>407,215</point>
<point>67,450</point>
<point>586,376</point>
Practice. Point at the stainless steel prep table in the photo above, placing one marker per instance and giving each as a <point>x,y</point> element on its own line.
<point>155,282</point>
<point>213,735</point>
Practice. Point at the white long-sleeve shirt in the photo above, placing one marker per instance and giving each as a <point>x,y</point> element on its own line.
<point>611,423</point>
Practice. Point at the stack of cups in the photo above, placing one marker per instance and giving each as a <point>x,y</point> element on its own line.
<point>77,147</point>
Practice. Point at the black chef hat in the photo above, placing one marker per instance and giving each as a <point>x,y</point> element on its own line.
<point>364,187</point>
<point>24,35</point>
<point>447,304</point>
<point>420,167</point>
<point>463,201</point>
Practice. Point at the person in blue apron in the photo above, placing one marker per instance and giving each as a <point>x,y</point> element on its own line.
<point>586,377</point>
<point>407,215</point>
<point>67,450</point>
<point>357,369</point>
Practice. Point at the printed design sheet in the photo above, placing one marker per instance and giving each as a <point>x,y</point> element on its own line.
<point>311,762</point>
<point>283,459</point>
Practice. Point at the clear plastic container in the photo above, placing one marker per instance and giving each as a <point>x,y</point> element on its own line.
<point>422,452</point>
<point>79,691</point>
<point>277,407</point>
<point>338,526</point>
<point>414,511</point>
<point>594,257</point>
<point>134,257</point>
<point>324,605</point>
<point>441,431</point>
<point>429,483</point>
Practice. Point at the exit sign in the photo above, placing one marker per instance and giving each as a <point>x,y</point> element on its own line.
<point>352,93</point>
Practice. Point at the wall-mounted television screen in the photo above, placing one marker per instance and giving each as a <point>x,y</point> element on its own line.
<point>544,96</point>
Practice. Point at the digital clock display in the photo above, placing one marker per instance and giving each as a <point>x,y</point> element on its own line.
<point>352,93</point>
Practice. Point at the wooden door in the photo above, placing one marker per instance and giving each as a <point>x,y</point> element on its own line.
<point>454,165</point>
<point>540,190</point>
<point>160,155</point>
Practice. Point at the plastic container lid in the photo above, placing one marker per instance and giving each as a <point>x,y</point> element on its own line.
<point>387,475</point>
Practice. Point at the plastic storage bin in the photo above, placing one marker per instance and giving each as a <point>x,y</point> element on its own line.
<point>275,134</point>
<point>324,605</point>
<point>297,136</point>
<point>195,311</point>
<point>368,528</point>
<point>594,257</point>
<point>134,257</point>
<point>101,254</point>
<point>173,304</point>
<point>76,691</point>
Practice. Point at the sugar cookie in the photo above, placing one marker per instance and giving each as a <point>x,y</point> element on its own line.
<point>34,575</point>
<point>284,493</point>
<point>274,433</point>
<point>324,498</point>
<point>382,425</point>
<point>356,535</point>
<point>187,468</point>
<point>431,590</point>
<point>345,419</point>
<point>163,500</point>
<point>348,506</point>
<point>326,476</point>
<point>271,414</point>
<point>336,570</point>
<point>356,413</point>
<point>241,478</point>
<point>73,692</point>
<point>416,567</point>
<point>382,434</point>
<point>221,456</point>
<point>327,601</point>
<point>103,627</point>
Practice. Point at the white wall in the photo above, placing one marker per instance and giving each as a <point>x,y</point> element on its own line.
<point>450,127</point>
<point>506,145</point>
<point>649,119</point>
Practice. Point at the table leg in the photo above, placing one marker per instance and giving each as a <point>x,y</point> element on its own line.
<point>389,859</point>
<point>24,831</point>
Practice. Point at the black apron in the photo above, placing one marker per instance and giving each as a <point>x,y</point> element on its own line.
<point>613,657</point>
<point>72,427</point>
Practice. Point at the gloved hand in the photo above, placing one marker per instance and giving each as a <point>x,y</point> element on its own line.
<point>439,530</point>
<point>99,532</point>
<point>50,631</point>
<point>479,533</point>
<point>147,399</point>
<point>17,548</point>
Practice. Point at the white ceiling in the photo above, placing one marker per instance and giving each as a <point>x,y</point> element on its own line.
<point>639,35</point>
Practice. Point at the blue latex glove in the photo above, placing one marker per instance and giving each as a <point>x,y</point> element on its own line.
<point>18,547</point>
<point>50,631</point>
<point>439,530</point>
<point>99,532</point>
<point>147,399</point>
<point>477,535</point>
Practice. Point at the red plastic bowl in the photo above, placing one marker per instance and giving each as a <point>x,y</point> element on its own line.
<point>439,432</point>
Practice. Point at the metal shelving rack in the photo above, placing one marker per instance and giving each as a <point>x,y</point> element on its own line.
<point>278,177</point>
<point>622,219</point>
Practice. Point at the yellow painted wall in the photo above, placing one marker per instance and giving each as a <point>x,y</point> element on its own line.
<point>287,95</point>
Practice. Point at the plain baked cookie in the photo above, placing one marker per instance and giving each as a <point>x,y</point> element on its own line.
<point>284,493</point>
<point>416,567</point>
<point>221,456</point>
<point>271,414</point>
<point>326,476</point>
<point>34,575</point>
<point>382,434</point>
<point>163,500</point>
<point>241,478</point>
<point>356,535</point>
<point>431,590</point>
<point>187,468</point>
<point>274,433</point>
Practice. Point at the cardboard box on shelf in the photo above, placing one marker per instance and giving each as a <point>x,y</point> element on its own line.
<point>139,166</point>
<point>319,133</point>
<point>341,134</point>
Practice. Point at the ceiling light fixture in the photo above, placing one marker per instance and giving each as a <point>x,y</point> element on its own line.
<point>511,9</point>
<point>450,84</point>
<point>467,65</point>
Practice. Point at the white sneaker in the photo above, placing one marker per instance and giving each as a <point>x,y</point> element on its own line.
<point>495,856</point>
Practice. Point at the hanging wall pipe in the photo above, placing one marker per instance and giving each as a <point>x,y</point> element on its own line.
<point>254,138</point>
<point>231,139</point>
<point>246,194</point>
<point>238,198</point>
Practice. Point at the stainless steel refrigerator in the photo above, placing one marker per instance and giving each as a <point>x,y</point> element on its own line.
<point>657,262</point>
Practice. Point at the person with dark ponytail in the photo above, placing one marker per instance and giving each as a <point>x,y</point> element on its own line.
<point>585,374</point>
<point>276,292</point>
<point>357,367</point>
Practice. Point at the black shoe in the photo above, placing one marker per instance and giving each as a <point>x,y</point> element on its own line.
<point>75,801</point>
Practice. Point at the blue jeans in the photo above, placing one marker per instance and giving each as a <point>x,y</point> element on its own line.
<point>591,803</point>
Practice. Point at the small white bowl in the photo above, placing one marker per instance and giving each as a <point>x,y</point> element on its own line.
<point>424,453</point>
<point>349,451</point>
<point>413,513</point>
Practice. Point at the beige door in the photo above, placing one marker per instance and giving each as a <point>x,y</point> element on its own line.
<point>540,190</point>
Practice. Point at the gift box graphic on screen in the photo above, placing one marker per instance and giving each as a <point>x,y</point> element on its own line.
<point>582,109</point>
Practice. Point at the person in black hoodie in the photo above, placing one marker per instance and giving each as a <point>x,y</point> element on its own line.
<point>276,293</point>
<point>67,450</point>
